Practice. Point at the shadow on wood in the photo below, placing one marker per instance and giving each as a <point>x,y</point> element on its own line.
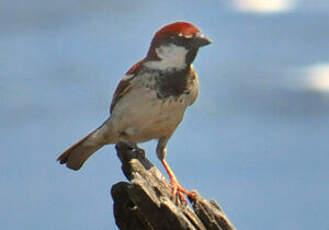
<point>145,204</point>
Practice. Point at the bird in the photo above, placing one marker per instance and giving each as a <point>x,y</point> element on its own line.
<point>150,100</point>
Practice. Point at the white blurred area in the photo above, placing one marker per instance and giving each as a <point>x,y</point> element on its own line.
<point>264,6</point>
<point>314,77</point>
<point>317,77</point>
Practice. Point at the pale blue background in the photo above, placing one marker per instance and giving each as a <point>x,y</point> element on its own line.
<point>253,141</point>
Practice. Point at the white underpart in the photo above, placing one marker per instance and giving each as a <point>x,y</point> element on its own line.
<point>172,57</point>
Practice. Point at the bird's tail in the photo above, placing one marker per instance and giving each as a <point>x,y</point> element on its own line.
<point>77,154</point>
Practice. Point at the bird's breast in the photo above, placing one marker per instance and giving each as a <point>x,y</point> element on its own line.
<point>153,107</point>
<point>142,116</point>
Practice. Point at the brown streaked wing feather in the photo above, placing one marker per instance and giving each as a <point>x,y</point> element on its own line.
<point>124,85</point>
<point>134,68</point>
<point>195,82</point>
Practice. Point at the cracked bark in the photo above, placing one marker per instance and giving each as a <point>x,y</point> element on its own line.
<point>144,202</point>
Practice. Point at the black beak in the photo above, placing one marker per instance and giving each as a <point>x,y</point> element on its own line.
<point>201,40</point>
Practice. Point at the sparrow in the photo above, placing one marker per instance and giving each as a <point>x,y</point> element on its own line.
<point>150,100</point>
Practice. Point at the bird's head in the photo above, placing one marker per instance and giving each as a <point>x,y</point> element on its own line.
<point>175,46</point>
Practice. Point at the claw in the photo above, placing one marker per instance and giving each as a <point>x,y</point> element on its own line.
<point>139,151</point>
<point>177,191</point>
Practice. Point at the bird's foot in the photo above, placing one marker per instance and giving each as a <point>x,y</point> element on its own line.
<point>178,192</point>
<point>131,148</point>
<point>140,153</point>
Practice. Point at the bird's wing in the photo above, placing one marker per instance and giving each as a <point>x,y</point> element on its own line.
<point>125,84</point>
<point>194,82</point>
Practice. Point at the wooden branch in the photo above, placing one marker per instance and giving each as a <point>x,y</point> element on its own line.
<point>145,204</point>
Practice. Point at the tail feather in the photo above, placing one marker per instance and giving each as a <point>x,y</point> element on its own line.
<point>77,154</point>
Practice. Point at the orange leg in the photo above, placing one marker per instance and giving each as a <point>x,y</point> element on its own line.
<point>176,188</point>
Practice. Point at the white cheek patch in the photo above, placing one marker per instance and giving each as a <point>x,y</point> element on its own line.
<point>171,52</point>
<point>172,57</point>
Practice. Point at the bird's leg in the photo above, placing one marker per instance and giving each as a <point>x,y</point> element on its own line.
<point>176,188</point>
<point>138,149</point>
<point>140,152</point>
<point>124,137</point>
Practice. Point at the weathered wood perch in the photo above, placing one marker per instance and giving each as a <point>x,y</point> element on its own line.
<point>145,204</point>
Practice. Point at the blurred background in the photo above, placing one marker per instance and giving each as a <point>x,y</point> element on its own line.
<point>256,140</point>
